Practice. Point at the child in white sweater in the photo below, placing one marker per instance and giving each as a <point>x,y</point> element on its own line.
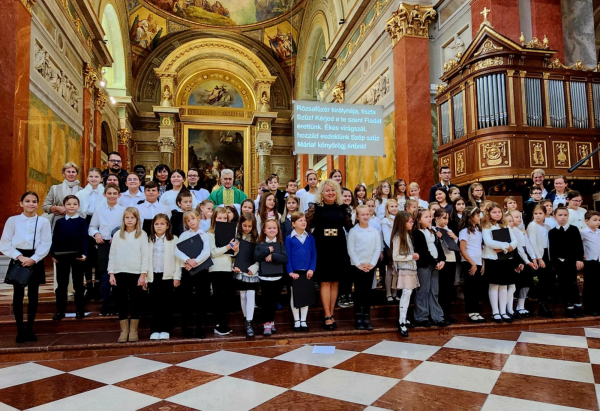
<point>364,249</point>
<point>164,274</point>
<point>127,268</point>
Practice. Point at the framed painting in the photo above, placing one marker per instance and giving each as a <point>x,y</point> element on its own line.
<point>213,148</point>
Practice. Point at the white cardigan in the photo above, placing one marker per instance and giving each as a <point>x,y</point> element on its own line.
<point>221,261</point>
<point>538,239</point>
<point>489,244</point>
<point>172,265</point>
<point>84,195</point>
<point>129,255</point>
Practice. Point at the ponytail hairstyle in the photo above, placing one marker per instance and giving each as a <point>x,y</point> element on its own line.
<point>467,220</point>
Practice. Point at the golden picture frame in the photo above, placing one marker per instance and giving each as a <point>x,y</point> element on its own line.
<point>561,154</point>
<point>583,149</point>
<point>538,154</point>
<point>494,154</point>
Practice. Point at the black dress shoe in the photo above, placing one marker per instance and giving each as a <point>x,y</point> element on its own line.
<point>403,330</point>
<point>571,313</point>
<point>358,322</point>
<point>442,323</point>
<point>199,333</point>
<point>79,315</point>
<point>186,332</point>
<point>544,311</point>
<point>409,325</point>
<point>367,322</point>
<point>303,327</point>
<point>451,319</point>
<point>30,336</point>
<point>497,318</point>
<point>516,316</point>
<point>58,316</point>
<point>296,328</point>
<point>425,323</point>
<point>507,318</point>
<point>20,337</point>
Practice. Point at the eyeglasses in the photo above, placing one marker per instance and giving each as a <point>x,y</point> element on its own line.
<point>115,161</point>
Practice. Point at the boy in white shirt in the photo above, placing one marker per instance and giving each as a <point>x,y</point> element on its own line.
<point>591,264</point>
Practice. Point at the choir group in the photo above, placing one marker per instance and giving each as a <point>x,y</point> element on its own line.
<point>192,251</point>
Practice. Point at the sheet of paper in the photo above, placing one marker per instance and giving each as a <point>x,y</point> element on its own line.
<point>72,315</point>
<point>323,349</point>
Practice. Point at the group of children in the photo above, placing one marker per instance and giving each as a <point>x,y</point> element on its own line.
<point>181,251</point>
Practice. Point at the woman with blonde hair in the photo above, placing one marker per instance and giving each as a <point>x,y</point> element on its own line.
<point>53,203</point>
<point>328,217</point>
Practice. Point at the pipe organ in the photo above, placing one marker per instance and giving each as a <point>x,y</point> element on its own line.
<point>508,108</point>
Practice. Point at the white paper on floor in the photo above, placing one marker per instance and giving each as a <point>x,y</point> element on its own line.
<point>323,349</point>
<point>72,315</point>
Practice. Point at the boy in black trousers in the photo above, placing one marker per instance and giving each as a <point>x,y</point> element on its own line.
<point>566,256</point>
<point>591,265</point>
<point>69,250</point>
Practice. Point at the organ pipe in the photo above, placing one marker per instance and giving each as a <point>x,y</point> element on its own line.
<point>459,115</point>
<point>596,101</point>
<point>491,100</point>
<point>579,103</point>
<point>445,120</point>
<point>558,112</point>
<point>533,99</point>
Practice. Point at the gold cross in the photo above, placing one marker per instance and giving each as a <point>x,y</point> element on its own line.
<point>485,12</point>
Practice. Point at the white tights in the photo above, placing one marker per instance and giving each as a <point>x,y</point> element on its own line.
<point>388,283</point>
<point>510,295</point>
<point>497,295</point>
<point>247,298</point>
<point>404,303</point>
<point>299,313</point>
<point>522,296</point>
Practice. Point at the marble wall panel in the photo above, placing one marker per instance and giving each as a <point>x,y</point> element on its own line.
<point>578,30</point>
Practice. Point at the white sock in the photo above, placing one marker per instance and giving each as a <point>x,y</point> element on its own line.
<point>502,296</point>
<point>303,313</point>
<point>493,294</point>
<point>388,283</point>
<point>250,303</point>
<point>510,296</point>
<point>295,311</point>
<point>243,300</point>
<point>404,303</point>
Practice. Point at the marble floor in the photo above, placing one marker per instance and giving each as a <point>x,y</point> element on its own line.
<point>557,369</point>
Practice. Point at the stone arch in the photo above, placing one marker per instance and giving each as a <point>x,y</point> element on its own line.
<point>248,56</point>
<point>113,17</point>
<point>312,40</point>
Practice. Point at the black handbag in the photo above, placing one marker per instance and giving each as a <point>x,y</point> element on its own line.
<point>17,274</point>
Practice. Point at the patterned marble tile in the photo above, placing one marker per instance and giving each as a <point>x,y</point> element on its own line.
<point>554,352</point>
<point>301,401</point>
<point>454,376</point>
<point>543,367</point>
<point>120,370</point>
<point>468,358</point>
<point>379,365</point>
<point>223,362</point>
<point>284,374</point>
<point>24,373</point>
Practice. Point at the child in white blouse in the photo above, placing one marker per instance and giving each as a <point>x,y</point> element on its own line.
<point>364,249</point>
<point>26,239</point>
<point>471,244</point>
<point>537,232</point>
<point>527,265</point>
<point>164,274</point>
<point>549,210</point>
<point>448,273</point>
<point>387,223</point>
<point>127,268</point>
<point>384,192</point>
<point>205,211</point>
<point>576,212</point>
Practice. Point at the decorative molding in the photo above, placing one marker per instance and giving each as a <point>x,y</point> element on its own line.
<point>55,77</point>
<point>378,90</point>
<point>75,22</point>
<point>166,144</point>
<point>538,155</point>
<point>410,20</point>
<point>493,154</point>
<point>440,88</point>
<point>496,61</point>
<point>561,154</point>
<point>264,147</point>
<point>124,137</point>
<point>28,4</point>
<point>556,64</point>
<point>460,163</point>
<point>100,100</point>
<point>339,92</point>
<point>488,47</point>
<point>583,149</point>
<point>485,21</point>
<point>90,77</point>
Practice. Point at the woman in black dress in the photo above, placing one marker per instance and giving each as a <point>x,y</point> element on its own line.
<point>328,218</point>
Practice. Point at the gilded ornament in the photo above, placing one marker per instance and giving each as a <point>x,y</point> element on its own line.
<point>166,102</point>
<point>522,39</point>
<point>538,154</point>
<point>100,100</point>
<point>264,147</point>
<point>264,101</point>
<point>90,76</point>
<point>440,88</point>
<point>562,151</point>
<point>496,61</point>
<point>583,150</point>
<point>460,162</point>
<point>124,137</point>
<point>488,46</point>
<point>546,42</point>
<point>485,21</point>
<point>339,92</point>
<point>494,153</point>
<point>28,4</point>
<point>410,20</point>
<point>535,44</point>
<point>555,63</point>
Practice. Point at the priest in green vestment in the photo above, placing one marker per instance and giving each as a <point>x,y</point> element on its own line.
<point>227,194</point>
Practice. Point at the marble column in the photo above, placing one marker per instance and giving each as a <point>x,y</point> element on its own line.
<point>546,20</point>
<point>90,77</point>
<point>166,139</point>
<point>503,16</point>
<point>342,167</point>
<point>579,34</point>
<point>263,149</point>
<point>330,164</point>
<point>124,137</point>
<point>414,143</point>
<point>100,103</point>
<point>15,32</point>
<point>303,169</point>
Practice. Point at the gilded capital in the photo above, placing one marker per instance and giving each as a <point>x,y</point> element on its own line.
<point>124,137</point>
<point>339,92</point>
<point>100,100</point>
<point>28,4</point>
<point>166,144</point>
<point>264,147</point>
<point>410,20</point>
<point>90,76</point>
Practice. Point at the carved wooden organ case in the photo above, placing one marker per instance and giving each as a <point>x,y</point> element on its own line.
<point>509,108</point>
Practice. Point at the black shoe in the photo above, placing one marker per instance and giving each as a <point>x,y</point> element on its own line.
<point>571,313</point>
<point>343,302</point>
<point>20,337</point>
<point>104,311</point>
<point>249,329</point>
<point>367,322</point>
<point>58,316</point>
<point>303,326</point>
<point>97,294</point>
<point>79,315</point>
<point>579,311</point>
<point>516,316</point>
<point>544,311</point>
<point>199,333</point>
<point>350,301</point>
<point>358,322</point>
<point>222,330</point>
<point>409,325</point>
<point>425,323</point>
<point>497,318</point>
<point>403,330</point>
<point>442,323</point>
<point>334,323</point>
<point>186,332</point>
<point>88,293</point>
<point>296,328</point>
<point>473,318</point>
<point>30,336</point>
<point>507,318</point>
<point>450,319</point>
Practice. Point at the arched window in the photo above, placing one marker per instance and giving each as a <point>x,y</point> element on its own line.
<point>115,75</point>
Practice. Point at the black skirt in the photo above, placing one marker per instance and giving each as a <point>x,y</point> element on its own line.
<point>39,272</point>
<point>501,272</point>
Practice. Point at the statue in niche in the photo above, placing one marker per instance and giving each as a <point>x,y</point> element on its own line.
<point>264,100</point>
<point>41,61</point>
<point>166,97</point>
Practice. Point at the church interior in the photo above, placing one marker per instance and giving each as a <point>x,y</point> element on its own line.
<point>491,89</point>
